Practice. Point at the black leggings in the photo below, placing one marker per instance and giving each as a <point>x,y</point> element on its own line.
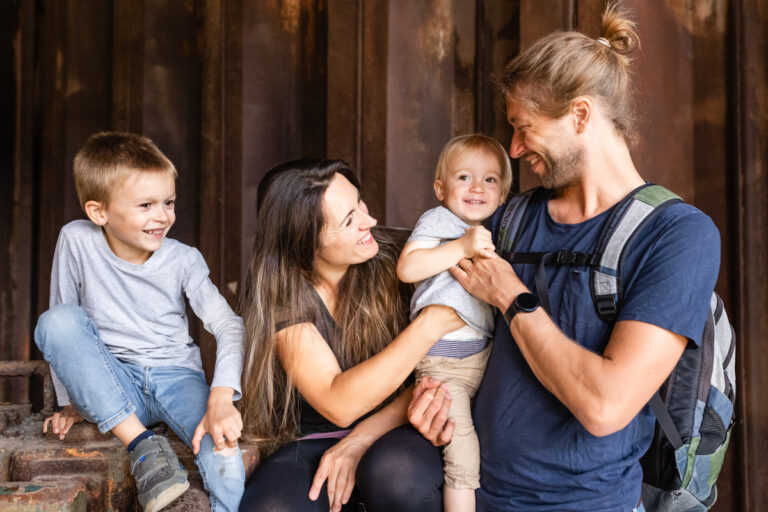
<point>402,471</point>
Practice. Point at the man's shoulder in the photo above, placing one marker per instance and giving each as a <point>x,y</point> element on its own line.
<point>684,219</point>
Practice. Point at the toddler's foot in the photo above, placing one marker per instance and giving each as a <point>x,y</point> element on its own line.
<point>159,476</point>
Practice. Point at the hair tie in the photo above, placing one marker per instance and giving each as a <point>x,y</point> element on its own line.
<point>604,41</point>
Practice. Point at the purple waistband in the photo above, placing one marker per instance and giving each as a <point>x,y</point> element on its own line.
<point>336,434</point>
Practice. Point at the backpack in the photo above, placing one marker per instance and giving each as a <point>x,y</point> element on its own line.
<point>694,408</point>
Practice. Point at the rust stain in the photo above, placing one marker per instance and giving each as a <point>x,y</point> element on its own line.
<point>74,452</point>
<point>701,17</point>
<point>436,34</point>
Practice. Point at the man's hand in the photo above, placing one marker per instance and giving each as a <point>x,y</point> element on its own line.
<point>492,280</point>
<point>478,241</point>
<point>62,421</point>
<point>428,411</point>
<point>221,420</point>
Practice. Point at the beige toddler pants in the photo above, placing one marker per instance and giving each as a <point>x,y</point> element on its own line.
<point>461,457</point>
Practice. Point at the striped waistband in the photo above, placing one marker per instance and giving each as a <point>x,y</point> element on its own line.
<point>458,349</point>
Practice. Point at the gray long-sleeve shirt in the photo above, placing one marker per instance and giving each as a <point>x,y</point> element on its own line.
<point>139,310</point>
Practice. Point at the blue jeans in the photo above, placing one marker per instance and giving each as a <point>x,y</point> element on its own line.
<point>106,391</point>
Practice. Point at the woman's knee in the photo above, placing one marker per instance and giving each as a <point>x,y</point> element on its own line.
<point>58,325</point>
<point>402,471</point>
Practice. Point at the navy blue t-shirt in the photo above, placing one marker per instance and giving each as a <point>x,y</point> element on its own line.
<point>535,455</point>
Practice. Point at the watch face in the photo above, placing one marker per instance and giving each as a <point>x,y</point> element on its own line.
<point>527,301</point>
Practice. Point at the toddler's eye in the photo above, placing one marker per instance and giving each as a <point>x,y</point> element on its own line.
<point>171,203</point>
<point>463,177</point>
<point>144,205</point>
<point>490,179</point>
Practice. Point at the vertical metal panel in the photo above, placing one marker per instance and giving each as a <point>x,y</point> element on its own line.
<point>74,76</point>
<point>272,92</point>
<point>171,101</point>
<point>373,109</point>
<point>128,66</point>
<point>15,195</point>
<point>429,79</point>
<point>344,77</point>
<point>665,84</point>
<point>498,40</point>
<point>221,151</point>
<point>750,50</point>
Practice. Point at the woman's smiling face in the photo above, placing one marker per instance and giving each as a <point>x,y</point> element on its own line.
<point>346,238</point>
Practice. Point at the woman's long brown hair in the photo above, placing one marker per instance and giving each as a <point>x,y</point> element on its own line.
<point>279,288</point>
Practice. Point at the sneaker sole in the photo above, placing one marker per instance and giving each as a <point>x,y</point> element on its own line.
<point>166,497</point>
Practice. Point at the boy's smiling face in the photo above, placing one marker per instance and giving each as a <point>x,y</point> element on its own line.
<point>139,214</point>
<point>471,188</point>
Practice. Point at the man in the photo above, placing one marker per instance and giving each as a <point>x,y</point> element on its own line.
<point>561,414</point>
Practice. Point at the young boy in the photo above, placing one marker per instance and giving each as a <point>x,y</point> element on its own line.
<point>472,180</point>
<point>116,335</point>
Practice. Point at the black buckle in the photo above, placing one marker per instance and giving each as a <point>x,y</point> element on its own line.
<point>574,259</point>
<point>606,306</point>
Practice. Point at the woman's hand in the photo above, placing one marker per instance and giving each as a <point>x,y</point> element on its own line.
<point>428,411</point>
<point>62,421</point>
<point>338,467</point>
<point>443,319</point>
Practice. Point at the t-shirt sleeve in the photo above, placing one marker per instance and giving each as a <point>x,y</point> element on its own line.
<point>436,225</point>
<point>219,319</point>
<point>676,276</point>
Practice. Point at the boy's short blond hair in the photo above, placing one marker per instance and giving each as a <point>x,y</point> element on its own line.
<point>107,158</point>
<point>475,142</point>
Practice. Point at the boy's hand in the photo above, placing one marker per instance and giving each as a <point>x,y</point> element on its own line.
<point>222,421</point>
<point>62,421</point>
<point>478,241</point>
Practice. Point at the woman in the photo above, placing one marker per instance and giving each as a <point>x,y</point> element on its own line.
<point>322,307</point>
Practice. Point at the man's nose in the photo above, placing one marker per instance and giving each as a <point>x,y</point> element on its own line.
<point>516,146</point>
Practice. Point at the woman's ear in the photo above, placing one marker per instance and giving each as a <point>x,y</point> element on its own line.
<point>96,211</point>
<point>439,192</point>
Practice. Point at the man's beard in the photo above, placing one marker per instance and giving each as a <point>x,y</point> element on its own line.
<point>562,170</point>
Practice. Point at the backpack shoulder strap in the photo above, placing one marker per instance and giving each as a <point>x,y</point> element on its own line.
<point>512,219</point>
<point>625,222</point>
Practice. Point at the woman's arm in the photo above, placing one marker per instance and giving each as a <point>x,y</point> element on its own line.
<point>339,463</point>
<point>342,397</point>
<point>420,259</point>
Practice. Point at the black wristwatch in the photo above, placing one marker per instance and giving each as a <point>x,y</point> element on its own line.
<point>525,303</point>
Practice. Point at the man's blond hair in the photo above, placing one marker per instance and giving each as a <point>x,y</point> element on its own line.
<point>475,142</point>
<point>107,158</point>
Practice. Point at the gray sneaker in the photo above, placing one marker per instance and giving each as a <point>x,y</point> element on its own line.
<point>160,478</point>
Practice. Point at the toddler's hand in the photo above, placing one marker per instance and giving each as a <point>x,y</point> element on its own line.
<point>62,421</point>
<point>478,241</point>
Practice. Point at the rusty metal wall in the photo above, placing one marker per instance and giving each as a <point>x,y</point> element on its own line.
<point>228,89</point>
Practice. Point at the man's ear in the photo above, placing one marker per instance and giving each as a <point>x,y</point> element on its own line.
<point>96,211</point>
<point>582,112</point>
<point>439,192</point>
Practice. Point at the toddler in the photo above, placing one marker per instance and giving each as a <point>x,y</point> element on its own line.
<point>472,180</point>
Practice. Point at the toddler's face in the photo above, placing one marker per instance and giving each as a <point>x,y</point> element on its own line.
<point>471,188</point>
<point>139,215</point>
